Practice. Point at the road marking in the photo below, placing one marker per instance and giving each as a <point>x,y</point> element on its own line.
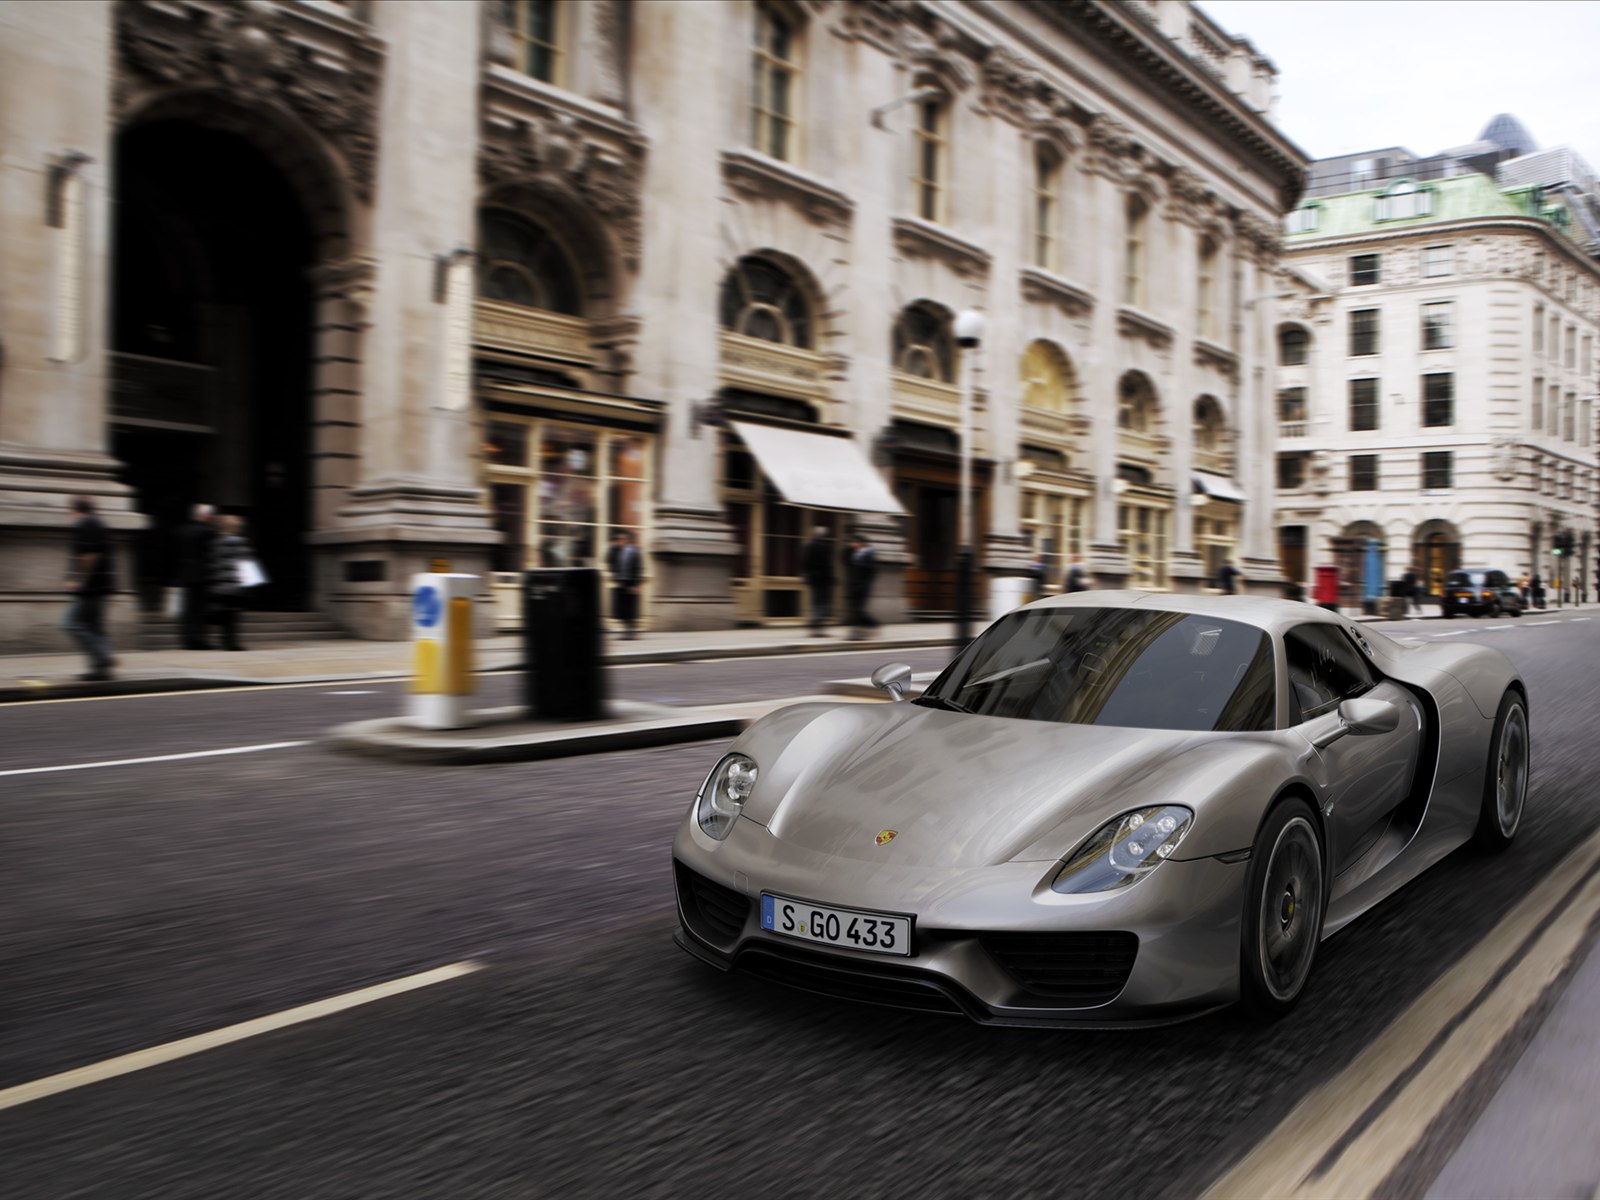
<point>154,758</point>
<point>126,1064</point>
<point>369,692</point>
<point>1344,1139</point>
<point>1576,619</point>
<point>1454,633</point>
<point>1544,622</point>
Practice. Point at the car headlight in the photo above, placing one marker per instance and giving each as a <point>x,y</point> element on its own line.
<point>722,797</point>
<point>1124,851</point>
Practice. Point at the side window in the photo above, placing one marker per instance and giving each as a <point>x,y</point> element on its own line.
<point>1324,668</point>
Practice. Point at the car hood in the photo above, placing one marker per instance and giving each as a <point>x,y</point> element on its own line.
<point>958,790</point>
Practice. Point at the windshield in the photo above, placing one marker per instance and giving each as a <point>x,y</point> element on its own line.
<point>1138,668</point>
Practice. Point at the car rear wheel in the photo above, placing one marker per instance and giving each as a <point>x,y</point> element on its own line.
<point>1283,909</point>
<point>1494,609</point>
<point>1505,782</point>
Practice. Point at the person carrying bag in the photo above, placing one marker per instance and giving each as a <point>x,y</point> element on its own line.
<point>234,572</point>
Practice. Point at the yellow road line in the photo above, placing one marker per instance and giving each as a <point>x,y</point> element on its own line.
<point>1389,1085</point>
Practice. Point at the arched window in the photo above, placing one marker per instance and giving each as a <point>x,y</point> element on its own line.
<point>762,300</point>
<point>1134,252</point>
<point>1136,404</point>
<point>520,263</point>
<point>1048,382</point>
<point>1293,343</point>
<point>1046,205</point>
<point>1404,199</point>
<point>1206,289</point>
<point>930,158</point>
<point>776,74</point>
<point>1210,427</point>
<point>923,345</point>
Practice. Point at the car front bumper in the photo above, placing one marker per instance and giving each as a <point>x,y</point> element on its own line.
<point>992,943</point>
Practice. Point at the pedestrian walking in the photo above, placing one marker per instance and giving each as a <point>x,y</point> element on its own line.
<point>1039,574</point>
<point>1076,578</point>
<point>1538,591</point>
<point>627,570</point>
<point>194,575</point>
<point>90,580</point>
<point>861,566</point>
<point>234,571</point>
<point>816,567</point>
<point>1522,586</point>
<point>1410,585</point>
<point>1228,578</point>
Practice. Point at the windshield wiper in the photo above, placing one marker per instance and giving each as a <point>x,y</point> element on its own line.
<point>941,702</point>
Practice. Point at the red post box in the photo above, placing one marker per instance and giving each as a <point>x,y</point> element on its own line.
<point>1325,591</point>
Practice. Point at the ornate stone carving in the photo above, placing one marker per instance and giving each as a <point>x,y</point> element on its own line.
<point>551,149</point>
<point>1209,354</point>
<point>1259,238</point>
<point>920,239</point>
<point>253,52</point>
<point>754,175</point>
<point>874,21</point>
<point>938,54</point>
<point>1190,200</point>
<point>349,279</point>
<point>1132,323</point>
<point>1504,457</point>
<point>1041,287</point>
<point>1013,89</point>
<point>1114,151</point>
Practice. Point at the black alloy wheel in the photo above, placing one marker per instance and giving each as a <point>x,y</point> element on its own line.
<point>1505,776</point>
<point>1285,900</point>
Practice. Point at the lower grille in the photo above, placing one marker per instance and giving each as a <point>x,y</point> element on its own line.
<point>862,984</point>
<point>717,913</point>
<point>1084,968</point>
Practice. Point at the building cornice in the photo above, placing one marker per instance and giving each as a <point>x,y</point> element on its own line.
<point>1432,230</point>
<point>1153,59</point>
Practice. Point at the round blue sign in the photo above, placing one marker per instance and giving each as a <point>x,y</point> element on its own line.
<point>425,606</point>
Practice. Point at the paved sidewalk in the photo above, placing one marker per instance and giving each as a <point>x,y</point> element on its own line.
<point>55,676</point>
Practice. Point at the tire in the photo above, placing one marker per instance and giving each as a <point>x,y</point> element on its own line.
<point>1494,609</point>
<point>1286,898</point>
<point>1505,776</point>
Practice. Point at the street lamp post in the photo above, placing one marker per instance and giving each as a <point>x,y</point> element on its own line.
<point>969,334</point>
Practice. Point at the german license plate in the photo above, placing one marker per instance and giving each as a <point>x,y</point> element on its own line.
<point>878,933</point>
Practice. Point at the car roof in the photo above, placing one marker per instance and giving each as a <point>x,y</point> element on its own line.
<point>1264,612</point>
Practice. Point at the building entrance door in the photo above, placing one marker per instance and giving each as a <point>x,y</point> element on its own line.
<point>211,347</point>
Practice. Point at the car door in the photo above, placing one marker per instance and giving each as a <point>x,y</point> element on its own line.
<point>1366,775</point>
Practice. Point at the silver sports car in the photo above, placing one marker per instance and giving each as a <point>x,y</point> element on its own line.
<point>1112,808</point>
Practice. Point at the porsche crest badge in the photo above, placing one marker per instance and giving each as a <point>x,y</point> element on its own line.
<point>885,836</point>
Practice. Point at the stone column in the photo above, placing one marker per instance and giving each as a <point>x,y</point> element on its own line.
<point>677,49</point>
<point>1184,568</point>
<point>1104,269</point>
<point>1257,477</point>
<point>417,494</point>
<point>55,173</point>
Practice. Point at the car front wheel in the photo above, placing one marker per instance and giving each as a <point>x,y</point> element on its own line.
<point>1284,904</point>
<point>1505,783</point>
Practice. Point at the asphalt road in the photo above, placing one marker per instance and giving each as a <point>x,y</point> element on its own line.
<point>590,1057</point>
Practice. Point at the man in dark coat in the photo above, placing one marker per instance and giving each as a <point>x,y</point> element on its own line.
<point>1076,579</point>
<point>816,567</point>
<point>194,575</point>
<point>626,565</point>
<point>90,580</point>
<point>860,567</point>
<point>1228,578</point>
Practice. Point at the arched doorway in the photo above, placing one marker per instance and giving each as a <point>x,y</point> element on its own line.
<point>1144,495</point>
<point>1435,552</point>
<point>211,340</point>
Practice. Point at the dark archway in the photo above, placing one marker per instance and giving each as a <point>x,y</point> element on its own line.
<point>212,346</point>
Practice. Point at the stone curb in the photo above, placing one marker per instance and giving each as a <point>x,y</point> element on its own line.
<point>395,739</point>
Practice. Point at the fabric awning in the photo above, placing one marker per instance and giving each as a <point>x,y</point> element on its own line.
<point>817,471</point>
<point>1219,486</point>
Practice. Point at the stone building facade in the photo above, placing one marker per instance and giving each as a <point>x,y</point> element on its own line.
<point>488,282</point>
<point>1437,385</point>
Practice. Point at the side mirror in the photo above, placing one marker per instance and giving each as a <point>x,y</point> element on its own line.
<point>1370,716</point>
<point>1361,716</point>
<point>895,678</point>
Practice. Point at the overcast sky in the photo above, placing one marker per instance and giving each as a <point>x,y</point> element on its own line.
<point>1424,74</point>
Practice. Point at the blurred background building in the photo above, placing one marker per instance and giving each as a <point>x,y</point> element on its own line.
<point>489,281</point>
<point>1437,370</point>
